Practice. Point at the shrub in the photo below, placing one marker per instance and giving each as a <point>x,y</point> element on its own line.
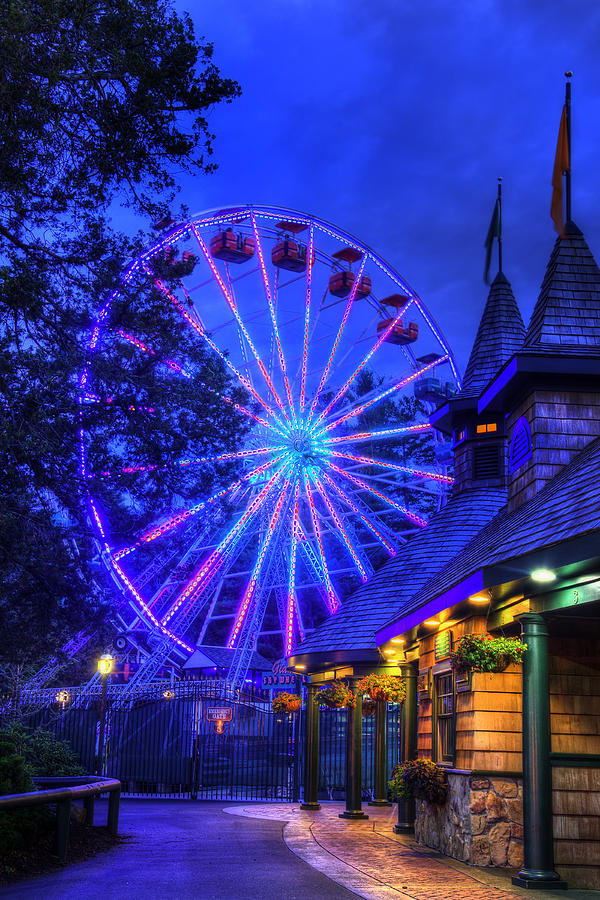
<point>390,688</point>
<point>419,778</point>
<point>286,703</point>
<point>337,695</point>
<point>484,653</point>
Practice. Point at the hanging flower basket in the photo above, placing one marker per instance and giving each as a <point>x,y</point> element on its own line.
<point>337,695</point>
<point>286,703</point>
<point>421,779</point>
<point>368,707</point>
<point>390,688</point>
<point>484,653</point>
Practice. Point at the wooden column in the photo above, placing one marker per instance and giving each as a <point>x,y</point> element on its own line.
<point>538,869</point>
<point>380,798</point>
<point>311,750</point>
<point>354,759</point>
<point>408,748</point>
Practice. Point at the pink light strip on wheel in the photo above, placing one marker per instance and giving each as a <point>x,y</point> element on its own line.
<point>369,435</point>
<point>269,297</point>
<point>396,387</point>
<point>203,334</point>
<point>332,512</point>
<point>390,549</point>
<point>349,305</point>
<point>366,359</point>
<point>368,461</point>
<point>234,310</point>
<point>183,516</point>
<point>142,605</point>
<point>291,599</point>
<point>146,349</point>
<point>216,557</point>
<point>332,600</point>
<point>362,484</point>
<point>309,268</point>
<point>252,584</point>
<point>194,461</point>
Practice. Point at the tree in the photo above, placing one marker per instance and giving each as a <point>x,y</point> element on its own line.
<point>102,104</point>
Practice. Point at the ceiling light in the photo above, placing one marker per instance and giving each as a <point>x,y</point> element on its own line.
<point>299,667</point>
<point>479,598</point>
<point>543,575</point>
<point>397,641</point>
<point>431,622</point>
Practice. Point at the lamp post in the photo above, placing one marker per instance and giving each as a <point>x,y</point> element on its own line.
<point>105,665</point>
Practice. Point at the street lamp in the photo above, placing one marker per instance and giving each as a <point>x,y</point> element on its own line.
<point>105,664</point>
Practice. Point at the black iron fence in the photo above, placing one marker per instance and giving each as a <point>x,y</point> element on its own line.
<point>201,739</point>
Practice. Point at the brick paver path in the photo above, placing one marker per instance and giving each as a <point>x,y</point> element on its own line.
<point>368,858</point>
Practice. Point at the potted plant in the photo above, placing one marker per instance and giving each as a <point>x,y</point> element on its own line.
<point>286,703</point>
<point>421,779</point>
<point>484,653</point>
<point>337,695</point>
<point>380,686</point>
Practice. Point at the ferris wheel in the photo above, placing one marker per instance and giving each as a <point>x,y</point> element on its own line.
<point>323,347</point>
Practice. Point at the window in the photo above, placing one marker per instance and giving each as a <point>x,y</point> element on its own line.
<point>521,445</point>
<point>445,717</point>
<point>488,428</point>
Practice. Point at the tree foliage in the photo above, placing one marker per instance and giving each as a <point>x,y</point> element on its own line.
<point>102,105</point>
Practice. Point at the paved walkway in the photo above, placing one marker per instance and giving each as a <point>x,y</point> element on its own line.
<point>369,859</point>
<point>214,851</point>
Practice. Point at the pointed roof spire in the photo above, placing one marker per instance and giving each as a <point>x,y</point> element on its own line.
<point>500,334</point>
<point>567,312</point>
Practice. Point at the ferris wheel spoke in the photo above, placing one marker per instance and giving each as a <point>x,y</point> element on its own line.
<point>366,519</point>
<point>332,600</point>
<point>409,470</point>
<point>273,315</point>
<point>406,431</point>
<point>194,322</point>
<point>336,343</point>
<point>357,410</point>
<point>343,390</point>
<point>145,348</point>
<point>216,558</point>
<point>260,560</point>
<point>187,462</point>
<point>362,484</point>
<point>231,303</point>
<point>341,531</point>
<point>291,593</point>
<point>309,269</point>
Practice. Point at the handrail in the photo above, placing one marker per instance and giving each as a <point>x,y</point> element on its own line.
<point>62,791</point>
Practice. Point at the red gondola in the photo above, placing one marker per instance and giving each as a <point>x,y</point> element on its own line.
<point>340,284</point>
<point>288,254</point>
<point>228,246</point>
<point>399,334</point>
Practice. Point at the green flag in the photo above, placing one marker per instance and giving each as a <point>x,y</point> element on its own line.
<point>493,232</point>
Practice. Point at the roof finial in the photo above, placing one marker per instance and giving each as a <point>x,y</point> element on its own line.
<point>568,75</point>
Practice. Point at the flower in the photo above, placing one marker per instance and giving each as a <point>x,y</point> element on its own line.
<point>286,703</point>
<point>337,695</point>
<point>485,653</point>
<point>380,686</point>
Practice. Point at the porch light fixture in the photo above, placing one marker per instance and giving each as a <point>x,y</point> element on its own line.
<point>544,576</point>
<point>479,598</point>
<point>105,664</point>
<point>397,641</point>
<point>431,622</point>
<point>299,667</point>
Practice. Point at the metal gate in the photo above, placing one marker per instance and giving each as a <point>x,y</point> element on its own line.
<point>202,739</point>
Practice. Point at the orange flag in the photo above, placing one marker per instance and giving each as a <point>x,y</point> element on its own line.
<point>561,166</point>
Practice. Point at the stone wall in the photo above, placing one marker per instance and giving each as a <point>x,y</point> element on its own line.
<point>481,822</point>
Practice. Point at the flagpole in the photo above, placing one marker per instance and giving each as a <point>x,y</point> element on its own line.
<point>500,225</point>
<point>568,75</point>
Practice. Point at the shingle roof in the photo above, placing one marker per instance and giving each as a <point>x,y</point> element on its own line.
<point>500,334</point>
<point>206,656</point>
<point>354,626</point>
<point>568,506</point>
<point>567,312</point>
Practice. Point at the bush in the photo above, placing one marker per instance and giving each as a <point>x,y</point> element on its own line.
<point>421,779</point>
<point>484,653</point>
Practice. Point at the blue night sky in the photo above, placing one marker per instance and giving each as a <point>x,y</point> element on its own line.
<point>393,120</point>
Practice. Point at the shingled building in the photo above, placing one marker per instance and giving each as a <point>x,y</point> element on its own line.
<point>516,550</point>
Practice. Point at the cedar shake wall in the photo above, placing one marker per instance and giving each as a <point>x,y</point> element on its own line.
<point>464,464</point>
<point>575,726</point>
<point>562,423</point>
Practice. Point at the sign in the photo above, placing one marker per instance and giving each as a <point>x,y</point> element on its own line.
<point>219,713</point>
<point>281,676</point>
<point>443,645</point>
